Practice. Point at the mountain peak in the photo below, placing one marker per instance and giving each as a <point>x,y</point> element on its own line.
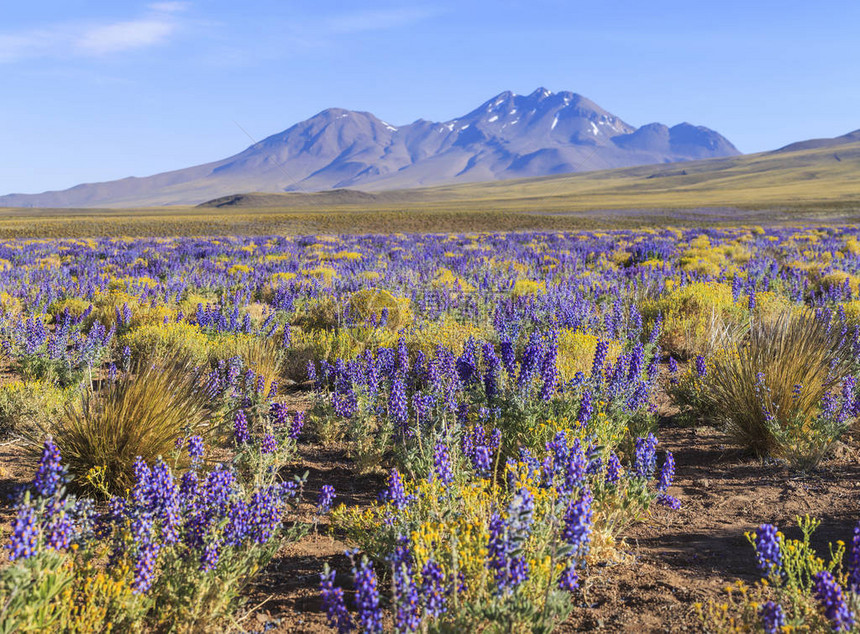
<point>508,136</point>
<point>540,93</point>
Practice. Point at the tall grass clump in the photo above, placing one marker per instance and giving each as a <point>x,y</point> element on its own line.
<point>265,356</point>
<point>781,386</point>
<point>141,414</point>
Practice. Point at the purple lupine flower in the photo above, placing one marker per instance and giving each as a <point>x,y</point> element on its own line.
<point>637,361</point>
<point>142,493</point>
<point>407,617</point>
<point>210,555</point>
<point>481,461</point>
<point>655,330</point>
<point>433,589</point>
<point>265,510</point>
<point>574,474</point>
<point>639,398</point>
<point>518,571</point>
<point>600,353</point>
<point>669,501</point>
<point>492,363</point>
<point>196,448</point>
<point>344,402</point>
<point>569,580</point>
<point>701,368</point>
<point>465,365</point>
<point>325,499</point>
<point>269,444</point>
<point>238,523</point>
<point>673,365</point>
<point>396,493</point>
<point>297,425</point>
<point>667,473</point>
<point>829,594</point>
<point>24,540</point>
<point>645,460</point>
<point>495,439</point>
<point>240,428</point>
<point>398,406</point>
<point>549,369</point>
<point>532,356</point>
<point>767,549</point>
<point>144,567</point>
<point>367,597</point>
<point>772,617</point>
<point>508,356</point>
<point>613,469</point>
<point>854,561</point>
<point>737,287</point>
<point>498,551</point>
<point>113,515</point>
<point>421,403</point>
<point>59,529</point>
<point>577,523</point>
<point>51,474</point>
<point>333,604</point>
<point>217,488</point>
<point>559,451</point>
<point>165,501</point>
<point>442,464</point>
<point>189,488</point>
<point>586,408</point>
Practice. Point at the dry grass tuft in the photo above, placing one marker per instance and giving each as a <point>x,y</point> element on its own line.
<point>142,414</point>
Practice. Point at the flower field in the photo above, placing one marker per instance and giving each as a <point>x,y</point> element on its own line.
<point>496,432</point>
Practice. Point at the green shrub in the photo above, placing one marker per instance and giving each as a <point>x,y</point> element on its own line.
<point>320,314</point>
<point>142,414</point>
<point>790,584</point>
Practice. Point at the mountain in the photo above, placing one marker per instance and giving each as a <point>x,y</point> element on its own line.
<point>822,175</point>
<point>509,136</point>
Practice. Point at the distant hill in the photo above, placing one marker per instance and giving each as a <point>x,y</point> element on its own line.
<point>508,136</point>
<point>812,144</point>
<point>821,172</point>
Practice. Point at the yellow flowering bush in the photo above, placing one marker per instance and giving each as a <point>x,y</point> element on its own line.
<point>27,405</point>
<point>576,352</point>
<point>528,287</point>
<point>179,340</point>
<point>369,303</point>
<point>445,278</point>
<point>690,315</point>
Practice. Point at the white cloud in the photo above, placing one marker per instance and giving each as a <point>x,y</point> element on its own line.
<point>124,36</point>
<point>94,38</point>
<point>169,7</point>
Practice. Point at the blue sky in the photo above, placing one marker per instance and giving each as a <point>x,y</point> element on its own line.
<point>95,90</point>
